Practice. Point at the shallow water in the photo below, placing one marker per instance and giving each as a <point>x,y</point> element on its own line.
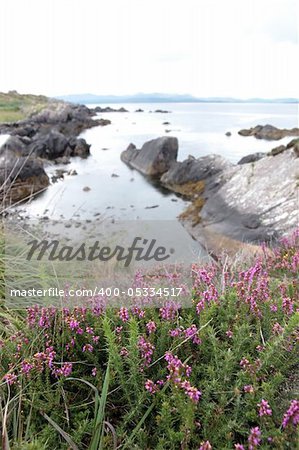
<point>200,129</point>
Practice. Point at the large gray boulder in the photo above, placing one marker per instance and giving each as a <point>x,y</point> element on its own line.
<point>257,202</point>
<point>154,158</point>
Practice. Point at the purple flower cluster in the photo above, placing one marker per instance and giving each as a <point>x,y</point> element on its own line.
<point>254,438</point>
<point>146,350</point>
<point>291,417</point>
<point>264,408</point>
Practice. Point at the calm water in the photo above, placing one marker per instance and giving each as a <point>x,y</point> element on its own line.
<point>200,129</point>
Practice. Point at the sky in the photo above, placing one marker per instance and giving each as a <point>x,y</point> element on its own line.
<point>206,48</point>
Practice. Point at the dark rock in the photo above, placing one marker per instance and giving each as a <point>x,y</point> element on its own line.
<point>139,110</point>
<point>162,111</point>
<point>152,207</point>
<point>108,109</point>
<point>275,151</point>
<point>269,132</point>
<point>228,134</point>
<point>194,170</point>
<point>292,143</point>
<point>50,146</point>
<point>114,175</point>
<point>253,157</point>
<point>166,123</point>
<point>14,145</point>
<point>72,172</point>
<point>81,148</point>
<point>86,188</point>
<point>154,158</point>
<point>21,178</point>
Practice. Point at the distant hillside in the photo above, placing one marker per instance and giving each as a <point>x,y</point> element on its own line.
<point>164,98</point>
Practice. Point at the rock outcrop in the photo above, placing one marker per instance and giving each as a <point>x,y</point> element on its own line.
<point>258,202</point>
<point>20,178</point>
<point>50,134</point>
<point>192,170</point>
<point>154,158</point>
<point>253,201</point>
<point>269,132</point>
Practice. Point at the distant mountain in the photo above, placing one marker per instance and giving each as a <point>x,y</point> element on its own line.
<point>164,98</point>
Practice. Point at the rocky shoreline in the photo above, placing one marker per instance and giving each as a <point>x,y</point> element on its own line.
<point>48,136</point>
<point>251,202</point>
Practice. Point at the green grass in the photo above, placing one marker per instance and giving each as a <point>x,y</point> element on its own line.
<point>14,106</point>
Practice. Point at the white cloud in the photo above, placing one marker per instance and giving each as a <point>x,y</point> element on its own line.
<point>204,47</point>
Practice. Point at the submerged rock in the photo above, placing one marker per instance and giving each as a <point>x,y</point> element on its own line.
<point>154,158</point>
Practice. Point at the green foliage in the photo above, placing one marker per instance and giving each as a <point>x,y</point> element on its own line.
<point>104,404</point>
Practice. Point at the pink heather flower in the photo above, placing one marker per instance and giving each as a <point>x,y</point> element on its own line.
<point>248,388</point>
<point>176,332</point>
<point>229,334</point>
<point>193,393</point>
<point>151,387</point>
<point>260,348</point>
<point>124,314</point>
<point>200,306</point>
<point>287,305</point>
<point>292,414</point>
<point>254,438</point>
<point>169,311</point>
<point>244,363</point>
<point>87,348</point>
<point>205,446</point>
<point>151,327</point>
<point>118,330</point>
<point>89,330</point>
<point>79,331</point>
<point>10,378</point>
<point>273,308</point>
<point>146,350</point>
<point>124,352</point>
<point>277,329</point>
<point>94,372</point>
<point>26,367</point>
<point>192,333</point>
<point>239,447</point>
<point>264,408</point>
<point>65,370</point>
<point>138,312</point>
<point>74,324</point>
<point>95,339</point>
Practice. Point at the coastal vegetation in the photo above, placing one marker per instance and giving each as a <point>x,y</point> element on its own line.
<point>15,106</point>
<point>219,375</point>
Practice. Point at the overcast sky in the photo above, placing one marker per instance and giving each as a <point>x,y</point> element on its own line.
<point>239,48</point>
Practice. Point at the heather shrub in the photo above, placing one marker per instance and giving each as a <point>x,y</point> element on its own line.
<point>222,374</point>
